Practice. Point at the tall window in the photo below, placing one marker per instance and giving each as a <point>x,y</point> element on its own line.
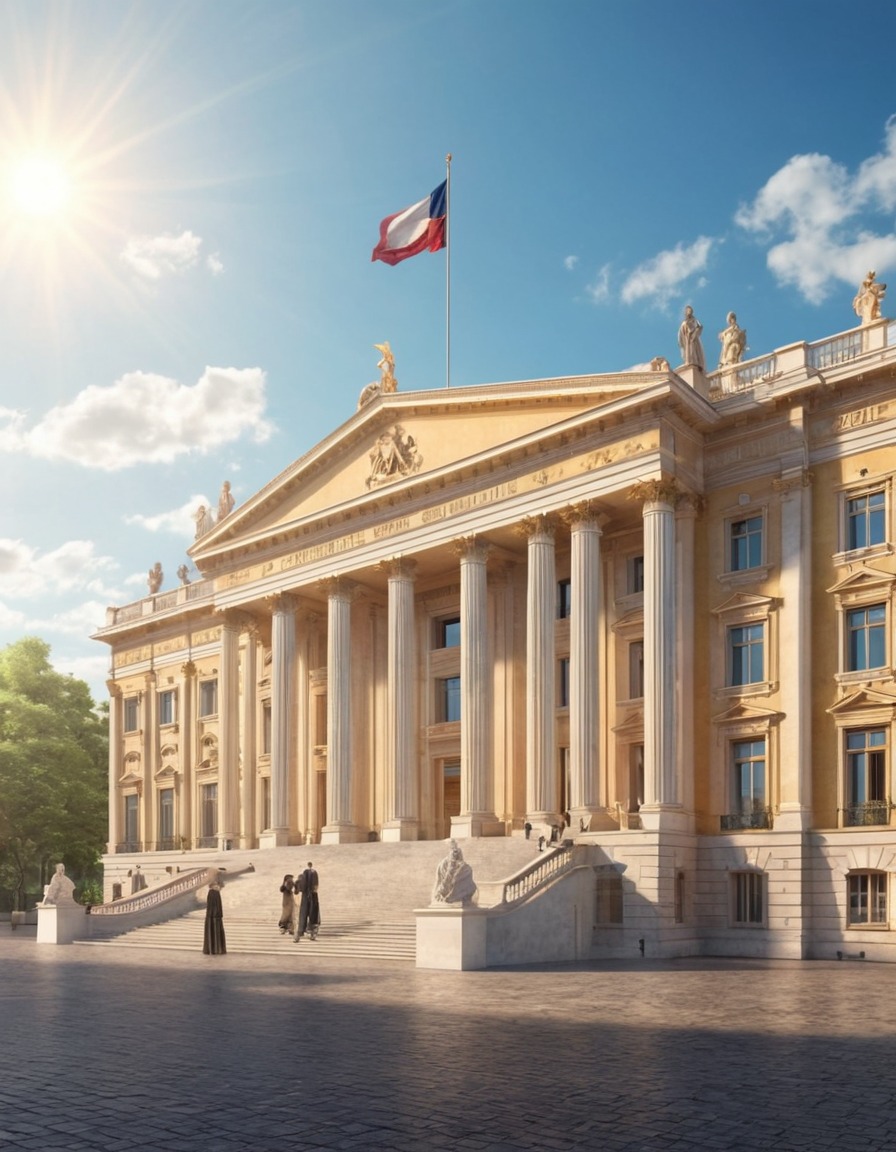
<point>636,574</point>
<point>746,543</point>
<point>867,892</point>
<point>208,814</point>
<point>636,669</point>
<point>208,698</point>
<point>866,777</point>
<point>866,641</point>
<point>747,654</point>
<point>450,699</point>
<point>266,801</point>
<point>866,520</point>
<point>266,730</point>
<point>749,786</point>
<point>131,714</point>
<point>449,632</point>
<point>564,599</point>
<point>167,706</point>
<point>132,823</point>
<point>748,903</point>
<point>563,682</point>
<point>166,818</point>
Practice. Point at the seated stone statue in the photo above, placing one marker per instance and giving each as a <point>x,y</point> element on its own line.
<point>454,879</point>
<point>60,890</point>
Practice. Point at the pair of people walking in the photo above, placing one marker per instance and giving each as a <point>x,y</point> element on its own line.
<point>305,887</point>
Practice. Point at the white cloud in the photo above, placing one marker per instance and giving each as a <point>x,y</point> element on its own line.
<point>73,566</point>
<point>570,263</point>
<point>599,289</point>
<point>661,278</point>
<point>214,264</point>
<point>179,521</point>
<point>809,212</point>
<point>145,419</point>
<point>78,621</point>
<point>156,256</point>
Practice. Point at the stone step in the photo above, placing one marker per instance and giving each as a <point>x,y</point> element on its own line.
<point>389,940</point>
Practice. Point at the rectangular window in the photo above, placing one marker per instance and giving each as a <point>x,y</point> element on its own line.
<point>449,632</point>
<point>131,714</point>
<point>746,543</point>
<point>563,682</point>
<point>131,823</point>
<point>266,801</point>
<point>266,730</point>
<point>866,520</point>
<point>450,699</point>
<point>866,778</point>
<point>748,897</point>
<point>208,815</point>
<point>564,599</point>
<point>747,650</point>
<point>867,898</point>
<point>636,574</point>
<point>636,669</point>
<point>166,819</point>
<point>749,777</point>
<point>208,698</point>
<point>866,641</point>
<point>168,706</point>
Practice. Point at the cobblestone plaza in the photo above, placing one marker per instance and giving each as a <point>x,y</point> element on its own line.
<point>117,1050</point>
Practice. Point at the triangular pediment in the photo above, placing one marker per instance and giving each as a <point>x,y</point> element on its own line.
<point>412,439</point>
<point>746,603</point>
<point>632,727</point>
<point>864,699</point>
<point>862,576</point>
<point>741,713</point>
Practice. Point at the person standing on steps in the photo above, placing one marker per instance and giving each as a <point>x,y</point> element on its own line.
<point>288,906</point>
<point>214,942</point>
<point>309,909</point>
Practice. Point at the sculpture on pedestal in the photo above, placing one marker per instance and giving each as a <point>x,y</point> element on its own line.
<point>734,342</point>
<point>689,339</point>
<point>454,879</point>
<point>868,299</point>
<point>60,890</point>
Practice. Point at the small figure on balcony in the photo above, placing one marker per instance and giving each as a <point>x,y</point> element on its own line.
<point>734,342</point>
<point>454,879</point>
<point>154,578</point>
<point>868,299</point>
<point>689,339</point>
<point>183,574</point>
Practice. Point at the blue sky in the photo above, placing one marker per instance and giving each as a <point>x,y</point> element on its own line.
<point>189,294</point>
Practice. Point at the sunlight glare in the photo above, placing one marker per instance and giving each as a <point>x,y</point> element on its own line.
<point>40,186</point>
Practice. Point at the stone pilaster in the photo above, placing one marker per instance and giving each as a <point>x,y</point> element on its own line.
<point>150,759</point>
<point>249,739</point>
<point>229,730</point>
<point>114,766</point>
<point>188,754</point>
<point>283,645</point>
<point>340,826</point>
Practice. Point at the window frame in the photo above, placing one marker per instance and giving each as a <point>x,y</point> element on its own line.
<point>169,694</point>
<point>850,548</point>
<point>858,801</point>
<point>210,683</point>
<point>871,631</point>
<point>564,598</point>
<point>130,713</point>
<point>449,693</point>
<point>876,892</point>
<point>749,538</point>
<point>443,624</point>
<point>747,648</point>
<point>749,895</point>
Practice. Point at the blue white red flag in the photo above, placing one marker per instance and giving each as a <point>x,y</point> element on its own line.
<point>420,228</point>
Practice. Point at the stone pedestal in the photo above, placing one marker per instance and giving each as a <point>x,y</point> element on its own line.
<point>451,937</point>
<point>60,923</point>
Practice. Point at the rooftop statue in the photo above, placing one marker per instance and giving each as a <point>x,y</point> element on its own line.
<point>689,339</point>
<point>868,299</point>
<point>204,520</point>
<point>225,501</point>
<point>154,578</point>
<point>386,383</point>
<point>734,342</point>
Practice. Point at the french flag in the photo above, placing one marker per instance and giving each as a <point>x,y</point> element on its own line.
<point>420,228</point>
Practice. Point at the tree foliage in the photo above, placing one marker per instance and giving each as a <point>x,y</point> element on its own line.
<point>53,772</point>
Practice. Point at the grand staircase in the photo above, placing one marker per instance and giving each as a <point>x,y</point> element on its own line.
<point>368,893</point>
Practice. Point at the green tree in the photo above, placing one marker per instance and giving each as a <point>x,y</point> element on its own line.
<point>53,773</point>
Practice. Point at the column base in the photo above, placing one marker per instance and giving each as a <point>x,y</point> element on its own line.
<point>472,825</point>
<point>394,831</point>
<point>342,834</point>
<point>274,838</point>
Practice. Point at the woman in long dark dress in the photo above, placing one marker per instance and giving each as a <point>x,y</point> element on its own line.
<point>288,908</point>
<point>214,943</point>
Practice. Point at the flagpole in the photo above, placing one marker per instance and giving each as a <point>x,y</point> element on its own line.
<point>448,272</point>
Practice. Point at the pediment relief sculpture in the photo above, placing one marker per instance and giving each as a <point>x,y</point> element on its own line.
<point>394,456</point>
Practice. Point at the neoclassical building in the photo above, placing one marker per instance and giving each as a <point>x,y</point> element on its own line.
<point>656,606</point>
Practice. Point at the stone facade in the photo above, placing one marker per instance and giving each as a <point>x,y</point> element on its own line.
<point>658,604</point>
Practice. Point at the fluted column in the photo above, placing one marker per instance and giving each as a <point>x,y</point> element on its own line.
<point>283,644</point>
<point>542,794</point>
<point>249,740</point>
<point>229,730</point>
<point>401,799</point>
<point>588,795</point>
<point>660,605</point>
<point>685,523</point>
<point>305,625</point>
<point>477,814</point>
<point>114,766</point>
<point>340,826</point>
<point>150,757</point>
<point>188,753</point>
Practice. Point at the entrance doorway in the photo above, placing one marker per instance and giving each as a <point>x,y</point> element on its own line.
<point>450,793</point>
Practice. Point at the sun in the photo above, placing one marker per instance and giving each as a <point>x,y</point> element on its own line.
<point>41,186</point>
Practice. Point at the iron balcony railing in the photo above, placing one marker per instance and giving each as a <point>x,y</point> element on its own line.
<point>743,821</point>
<point>868,813</point>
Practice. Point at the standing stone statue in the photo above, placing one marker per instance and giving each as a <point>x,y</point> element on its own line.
<point>225,501</point>
<point>867,301</point>
<point>454,879</point>
<point>154,578</point>
<point>734,342</point>
<point>204,521</point>
<point>689,339</point>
